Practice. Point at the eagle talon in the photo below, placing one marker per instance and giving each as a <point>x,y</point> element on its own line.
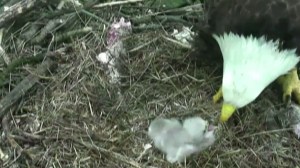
<point>290,86</point>
<point>218,95</point>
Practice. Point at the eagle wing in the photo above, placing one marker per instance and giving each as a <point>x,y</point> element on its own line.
<point>274,19</point>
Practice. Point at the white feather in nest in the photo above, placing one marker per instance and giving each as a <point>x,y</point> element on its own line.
<point>179,141</point>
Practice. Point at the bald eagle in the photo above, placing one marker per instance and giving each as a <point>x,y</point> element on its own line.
<point>258,43</point>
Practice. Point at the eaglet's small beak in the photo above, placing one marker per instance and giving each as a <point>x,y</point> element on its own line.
<point>227,111</point>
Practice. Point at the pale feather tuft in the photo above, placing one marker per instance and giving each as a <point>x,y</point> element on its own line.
<point>179,141</point>
<point>250,65</point>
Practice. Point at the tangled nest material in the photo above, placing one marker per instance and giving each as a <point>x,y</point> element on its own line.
<point>72,115</point>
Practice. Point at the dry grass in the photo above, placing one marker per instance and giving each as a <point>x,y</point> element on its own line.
<point>75,118</point>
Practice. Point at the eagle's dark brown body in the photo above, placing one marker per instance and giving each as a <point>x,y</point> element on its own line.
<point>274,19</point>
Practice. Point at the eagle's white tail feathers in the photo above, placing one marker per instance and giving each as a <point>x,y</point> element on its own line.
<point>250,65</point>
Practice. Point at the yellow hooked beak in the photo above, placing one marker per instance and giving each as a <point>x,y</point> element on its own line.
<point>227,111</point>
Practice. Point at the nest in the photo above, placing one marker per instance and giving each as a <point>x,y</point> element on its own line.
<point>58,108</point>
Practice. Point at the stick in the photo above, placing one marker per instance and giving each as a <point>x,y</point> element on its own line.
<point>116,3</point>
<point>24,86</point>
<point>16,10</point>
<point>118,156</point>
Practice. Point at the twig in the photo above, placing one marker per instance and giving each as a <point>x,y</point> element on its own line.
<point>95,16</point>
<point>38,58</point>
<point>195,79</point>
<point>60,5</point>
<point>72,33</point>
<point>49,27</point>
<point>162,19</point>
<point>16,10</point>
<point>5,125</point>
<point>114,154</point>
<point>20,90</point>
<point>267,132</point>
<point>143,45</point>
<point>183,9</point>
<point>177,42</point>
<point>116,3</point>
<point>19,62</point>
<point>2,51</point>
<point>147,27</point>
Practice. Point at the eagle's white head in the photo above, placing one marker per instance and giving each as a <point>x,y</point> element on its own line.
<point>250,65</point>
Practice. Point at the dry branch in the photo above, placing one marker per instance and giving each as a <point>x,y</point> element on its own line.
<point>115,155</point>
<point>24,86</point>
<point>16,10</point>
<point>116,3</point>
